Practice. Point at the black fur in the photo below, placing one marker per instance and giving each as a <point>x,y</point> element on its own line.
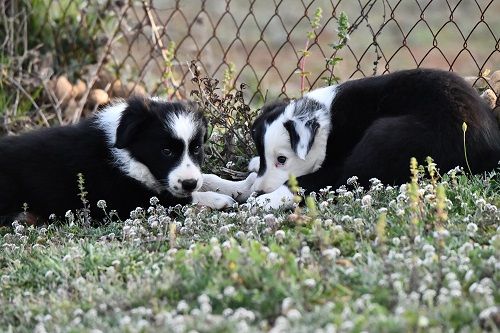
<point>379,123</point>
<point>40,168</point>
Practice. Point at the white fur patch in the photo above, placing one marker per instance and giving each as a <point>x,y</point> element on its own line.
<point>254,164</point>
<point>213,200</point>
<point>323,95</point>
<point>184,127</point>
<point>108,121</point>
<point>282,197</point>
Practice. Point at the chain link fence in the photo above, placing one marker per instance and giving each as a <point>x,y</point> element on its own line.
<point>277,48</point>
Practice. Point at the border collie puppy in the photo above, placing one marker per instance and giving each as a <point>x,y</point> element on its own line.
<point>129,152</point>
<point>370,128</point>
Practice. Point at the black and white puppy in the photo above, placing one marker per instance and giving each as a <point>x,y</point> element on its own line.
<point>370,128</point>
<point>129,152</point>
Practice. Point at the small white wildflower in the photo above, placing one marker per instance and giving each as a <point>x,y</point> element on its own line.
<point>294,314</point>
<point>471,229</point>
<point>272,257</point>
<point>227,312</point>
<point>352,180</point>
<point>153,201</point>
<point>346,218</point>
<point>396,241</point>
<point>270,220</point>
<point>216,253</point>
<point>229,291</point>
<point>182,306</point>
<point>366,201</point>
<point>331,254</point>
<point>423,321</point>
<point>280,235</point>
<point>310,283</point>
<point>101,204</point>
<point>286,304</point>
<point>305,252</point>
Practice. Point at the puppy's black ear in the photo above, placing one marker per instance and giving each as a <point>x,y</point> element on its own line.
<point>132,119</point>
<point>302,136</point>
<point>268,107</point>
<point>206,129</point>
<point>294,134</point>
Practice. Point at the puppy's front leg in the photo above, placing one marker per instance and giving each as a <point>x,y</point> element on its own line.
<point>238,190</point>
<point>212,200</point>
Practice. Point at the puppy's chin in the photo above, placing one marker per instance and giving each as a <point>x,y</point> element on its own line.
<point>180,193</point>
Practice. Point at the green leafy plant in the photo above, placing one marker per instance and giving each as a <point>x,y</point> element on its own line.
<point>343,38</point>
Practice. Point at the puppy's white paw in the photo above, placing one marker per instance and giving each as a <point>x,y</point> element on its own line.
<point>280,198</point>
<point>254,164</point>
<point>213,200</point>
<point>239,190</point>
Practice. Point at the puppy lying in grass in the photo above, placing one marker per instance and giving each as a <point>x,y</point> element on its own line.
<point>370,128</point>
<point>129,152</point>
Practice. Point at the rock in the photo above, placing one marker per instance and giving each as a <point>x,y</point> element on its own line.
<point>118,89</point>
<point>63,90</point>
<point>135,89</point>
<point>78,89</point>
<point>97,97</point>
<point>477,82</point>
<point>490,97</point>
<point>495,82</point>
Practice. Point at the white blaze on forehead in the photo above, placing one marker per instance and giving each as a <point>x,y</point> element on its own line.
<point>183,126</point>
<point>108,120</point>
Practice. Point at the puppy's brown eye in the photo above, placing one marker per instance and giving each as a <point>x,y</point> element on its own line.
<point>281,159</point>
<point>167,152</point>
<point>196,149</point>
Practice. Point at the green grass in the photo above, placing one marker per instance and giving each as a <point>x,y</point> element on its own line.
<point>360,265</point>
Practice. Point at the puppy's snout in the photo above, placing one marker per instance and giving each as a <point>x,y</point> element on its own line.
<point>189,184</point>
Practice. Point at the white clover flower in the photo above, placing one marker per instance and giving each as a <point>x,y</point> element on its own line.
<point>366,201</point>
<point>396,241</point>
<point>101,204</point>
<point>182,306</point>
<point>423,321</point>
<point>293,314</point>
<point>305,252</point>
<point>310,283</point>
<point>19,229</point>
<point>471,229</point>
<point>270,220</point>
<point>346,218</point>
<point>206,308</point>
<point>272,257</point>
<point>441,234</point>
<point>331,254</point>
<point>229,291</point>
<point>227,312</point>
<point>280,235</point>
<point>243,314</point>
<point>216,253</point>
<point>286,304</point>
<point>352,180</point>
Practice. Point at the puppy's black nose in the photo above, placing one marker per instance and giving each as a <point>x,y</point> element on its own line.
<point>189,184</point>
